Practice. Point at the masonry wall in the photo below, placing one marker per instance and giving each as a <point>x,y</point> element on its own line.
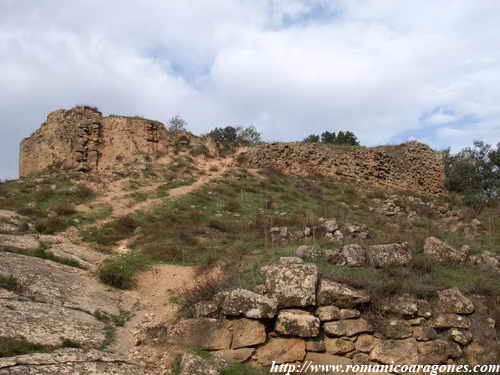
<point>412,166</point>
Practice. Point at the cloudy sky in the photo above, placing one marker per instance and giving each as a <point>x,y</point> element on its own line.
<point>389,70</point>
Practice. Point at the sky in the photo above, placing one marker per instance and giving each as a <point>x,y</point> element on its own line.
<point>390,71</point>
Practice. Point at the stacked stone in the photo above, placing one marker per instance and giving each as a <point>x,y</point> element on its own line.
<point>298,316</point>
<point>89,137</point>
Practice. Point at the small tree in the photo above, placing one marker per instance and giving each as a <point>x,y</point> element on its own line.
<point>249,135</point>
<point>225,136</point>
<point>311,139</point>
<point>177,124</point>
<point>328,138</point>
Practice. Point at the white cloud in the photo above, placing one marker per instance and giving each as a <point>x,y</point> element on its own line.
<point>375,66</point>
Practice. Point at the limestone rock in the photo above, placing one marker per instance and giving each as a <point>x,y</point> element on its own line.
<point>292,285</point>
<point>49,325</point>
<point>395,352</point>
<point>350,327</point>
<point>281,350</point>
<point>330,225</point>
<point>349,314</point>
<point>242,302</point>
<point>424,333</point>
<point>453,301</point>
<point>396,329</point>
<point>365,343</point>
<point>354,255</point>
<point>338,345</point>
<point>69,362</point>
<point>404,305</point>
<point>334,293</point>
<point>451,321</point>
<point>295,322</point>
<point>205,309</point>
<point>434,352</point>
<point>389,254</point>
<point>17,243</point>
<point>315,344</point>
<point>247,333</point>
<point>328,313</point>
<point>460,336</point>
<point>204,333</point>
<point>290,260</point>
<point>194,365</point>
<point>327,359</point>
<point>443,253</point>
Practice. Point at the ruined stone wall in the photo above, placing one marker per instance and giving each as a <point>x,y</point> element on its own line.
<point>412,166</point>
<point>82,139</point>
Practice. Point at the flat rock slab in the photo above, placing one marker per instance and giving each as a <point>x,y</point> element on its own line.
<point>68,362</point>
<point>49,325</point>
<point>50,282</point>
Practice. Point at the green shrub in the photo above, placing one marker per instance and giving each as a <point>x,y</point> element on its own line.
<point>13,347</point>
<point>45,254</point>
<point>10,283</point>
<point>120,271</point>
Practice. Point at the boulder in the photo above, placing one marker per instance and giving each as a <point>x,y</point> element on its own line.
<point>350,327</point>
<point>330,225</point>
<point>424,333</point>
<point>308,252</point>
<point>443,253</point>
<point>396,352</point>
<point>354,255</point>
<point>451,321</point>
<point>281,350</point>
<point>453,301</point>
<point>328,313</point>
<point>205,309</point>
<point>365,343</point>
<point>290,260</point>
<point>424,308</point>
<point>338,345</point>
<point>292,285</point>
<point>433,352</point>
<point>390,254</point>
<point>247,332</point>
<point>203,333</point>
<point>295,322</point>
<point>349,314</point>
<point>396,329</point>
<point>242,302</point>
<point>335,293</point>
<point>327,359</point>
<point>460,336</point>
<point>315,344</point>
<point>404,305</point>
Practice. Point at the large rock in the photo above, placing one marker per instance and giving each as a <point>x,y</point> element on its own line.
<point>354,255</point>
<point>281,350</point>
<point>247,332</point>
<point>434,352</point>
<point>236,355</point>
<point>242,302</point>
<point>460,336</point>
<point>443,253</point>
<point>49,282</point>
<point>328,313</point>
<point>365,343</point>
<point>295,322</point>
<point>334,293</point>
<point>451,321</point>
<point>327,359</point>
<point>49,325</point>
<point>396,329</point>
<point>350,327</point>
<point>11,223</point>
<point>204,333</point>
<point>292,285</point>
<point>403,305</point>
<point>453,301</point>
<point>396,352</point>
<point>19,243</point>
<point>390,254</point>
<point>69,361</point>
<point>338,345</point>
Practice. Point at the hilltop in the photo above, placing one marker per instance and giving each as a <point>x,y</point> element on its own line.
<point>130,255</point>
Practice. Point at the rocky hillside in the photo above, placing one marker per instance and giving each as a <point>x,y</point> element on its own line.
<point>223,263</point>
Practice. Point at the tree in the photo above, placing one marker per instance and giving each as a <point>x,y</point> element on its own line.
<point>328,138</point>
<point>176,124</point>
<point>225,136</point>
<point>249,135</point>
<point>474,172</point>
<point>311,139</point>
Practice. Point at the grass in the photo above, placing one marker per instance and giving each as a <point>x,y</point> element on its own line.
<point>14,347</point>
<point>120,271</point>
<point>49,201</point>
<point>45,254</point>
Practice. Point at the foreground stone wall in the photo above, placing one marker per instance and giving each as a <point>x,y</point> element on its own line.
<point>81,138</point>
<point>411,166</point>
<point>297,316</point>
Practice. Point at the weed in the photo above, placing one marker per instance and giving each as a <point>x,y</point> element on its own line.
<point>13,347</point>
<point>120,271</point>
<point>10,283</point>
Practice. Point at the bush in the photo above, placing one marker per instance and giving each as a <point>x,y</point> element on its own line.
<point>230,135</point>
<point>10,283</point>
<point>120,271</point>
<point>65,209</point>
<point>51,225</point>
<point>176,125</point>
<point>13,347</point>
<point>341,138</point>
